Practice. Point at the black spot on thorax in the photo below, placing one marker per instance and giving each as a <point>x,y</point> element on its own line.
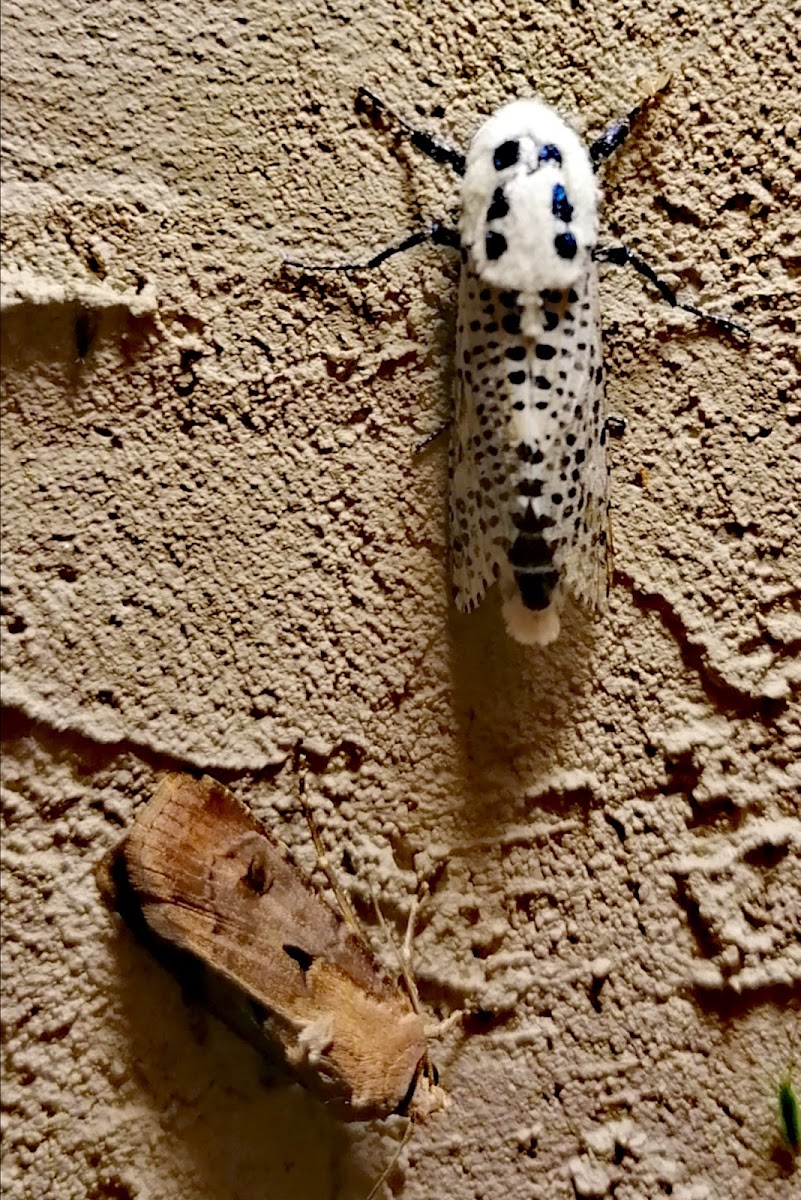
<point>495,245</point>
<point>499,207</point>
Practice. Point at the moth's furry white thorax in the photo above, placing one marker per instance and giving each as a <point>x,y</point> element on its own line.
<point>529,201</point>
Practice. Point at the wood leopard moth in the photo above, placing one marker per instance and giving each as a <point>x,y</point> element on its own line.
<point>528,474</point>
<point>528,496</point>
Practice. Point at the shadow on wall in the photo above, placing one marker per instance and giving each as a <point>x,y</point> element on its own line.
<point>231,1125</point>
<point>67,334</point>
<point>517,707</point>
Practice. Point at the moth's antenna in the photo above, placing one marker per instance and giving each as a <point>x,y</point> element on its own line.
<point>342,899</point>
<point>407,1133</point>
<point>373,107</point>
<point>403,953</point>
<point>615,135</point>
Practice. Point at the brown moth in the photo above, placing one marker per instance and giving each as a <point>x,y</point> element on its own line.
<point>214,893</point>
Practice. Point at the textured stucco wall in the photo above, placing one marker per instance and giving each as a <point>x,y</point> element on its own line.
<point>217,544</point>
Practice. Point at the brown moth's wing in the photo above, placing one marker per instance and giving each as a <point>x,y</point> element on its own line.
<point>212,882</point>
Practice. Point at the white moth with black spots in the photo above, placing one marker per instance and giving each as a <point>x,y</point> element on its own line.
<point>529,480</point>
<point>528,501</point>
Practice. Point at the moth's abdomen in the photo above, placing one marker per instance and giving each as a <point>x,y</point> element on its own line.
<point>531,559</point>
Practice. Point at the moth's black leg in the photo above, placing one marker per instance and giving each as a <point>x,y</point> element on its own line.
<point>369,104</point>
<point>443,235</point>
<point>615,426</point>
<point>622,256</point>
<point>615,135</point>
<point>429,440</point>
<point>438,233</point>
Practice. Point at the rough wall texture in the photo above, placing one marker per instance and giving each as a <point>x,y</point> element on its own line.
<point>217,545</point>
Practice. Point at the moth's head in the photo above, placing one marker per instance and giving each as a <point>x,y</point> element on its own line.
<point>529,200</point>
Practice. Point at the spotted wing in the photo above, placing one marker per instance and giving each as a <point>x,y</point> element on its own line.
<point>529,478</point>
<point>582,559</point>
<point>482,459</point>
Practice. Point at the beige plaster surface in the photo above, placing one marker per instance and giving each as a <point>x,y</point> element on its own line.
<point>217,544</point>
